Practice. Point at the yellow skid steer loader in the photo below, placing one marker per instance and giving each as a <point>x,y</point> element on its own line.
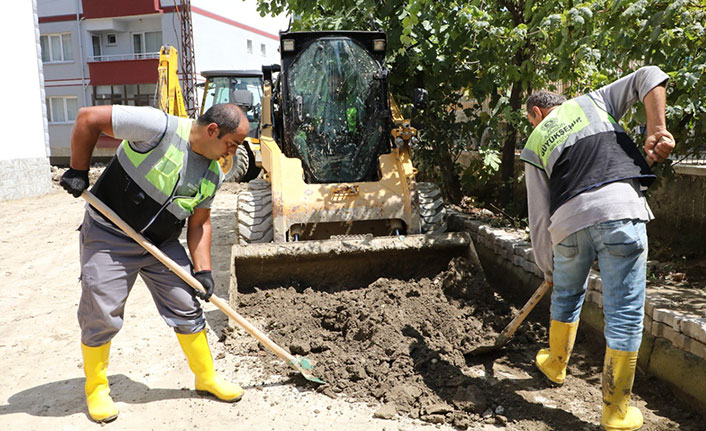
<point>338,206</point>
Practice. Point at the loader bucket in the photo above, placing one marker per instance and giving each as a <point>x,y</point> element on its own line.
<point>344,264</point>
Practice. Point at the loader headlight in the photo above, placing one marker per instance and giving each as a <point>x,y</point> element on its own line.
<point>378,44</point>
<point>288,45</point>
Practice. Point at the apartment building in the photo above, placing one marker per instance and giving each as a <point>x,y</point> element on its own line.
<point>97,52</point>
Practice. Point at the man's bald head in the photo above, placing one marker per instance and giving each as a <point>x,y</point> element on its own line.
<point>227,116</point>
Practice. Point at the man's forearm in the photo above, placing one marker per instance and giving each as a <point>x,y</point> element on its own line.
<point>659,143</point>
<point>655,103</point>
<point>198,238</point>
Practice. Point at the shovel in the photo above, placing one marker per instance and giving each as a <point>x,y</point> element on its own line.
<point>302,365</point>
<point>510,329</point>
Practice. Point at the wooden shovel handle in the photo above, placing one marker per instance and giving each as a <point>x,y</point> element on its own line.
<point>188,278</point>
<point>510,329</point>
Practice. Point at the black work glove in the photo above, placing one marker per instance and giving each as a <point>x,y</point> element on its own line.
<point>206,280</point>
<point>74,181</point>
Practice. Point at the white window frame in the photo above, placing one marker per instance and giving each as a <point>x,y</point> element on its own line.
<point>248,45</point>
<point>263,50</point>
<point>143,44</point>
<point>107,39</point>
<point>66,110</point>
<point>48,36</point>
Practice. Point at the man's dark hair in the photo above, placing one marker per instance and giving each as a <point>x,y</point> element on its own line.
<point>226,115</point>
<point>544,99</point>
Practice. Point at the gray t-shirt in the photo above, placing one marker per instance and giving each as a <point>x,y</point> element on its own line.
<point>142,127</point>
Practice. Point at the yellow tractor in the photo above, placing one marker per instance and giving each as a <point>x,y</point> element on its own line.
<point>242,88</point>
<point>339,204</point>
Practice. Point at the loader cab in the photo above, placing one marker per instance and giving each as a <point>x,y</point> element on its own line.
<point>232,86</point>
<point>334,114</point>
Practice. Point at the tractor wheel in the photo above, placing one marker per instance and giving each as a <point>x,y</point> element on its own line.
<point>236,166</point>
<point>431,208</point>
<point>254,213</point>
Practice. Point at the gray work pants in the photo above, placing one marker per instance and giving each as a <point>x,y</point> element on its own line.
<point>110,262</point>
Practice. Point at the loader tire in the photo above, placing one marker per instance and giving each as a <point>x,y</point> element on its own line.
<point>431,208</point>
<point>254,213</point>
<point>241,163</point>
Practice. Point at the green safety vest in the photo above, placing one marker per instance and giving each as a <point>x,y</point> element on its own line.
<point>141,187</point>
<point>580,147</point>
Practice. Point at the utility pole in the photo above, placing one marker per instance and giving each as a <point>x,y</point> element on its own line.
<point>188,64</point>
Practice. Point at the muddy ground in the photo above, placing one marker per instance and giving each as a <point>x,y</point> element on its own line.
<point>405,344</point>
<point>392,353</point>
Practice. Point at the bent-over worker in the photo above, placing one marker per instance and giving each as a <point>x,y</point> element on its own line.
<point>584,179</point>
<point>164,175</point>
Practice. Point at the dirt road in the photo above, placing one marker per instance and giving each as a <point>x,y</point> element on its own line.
<point>42,382</point>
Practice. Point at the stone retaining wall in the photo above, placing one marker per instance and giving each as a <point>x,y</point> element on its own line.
<point>674,339</point>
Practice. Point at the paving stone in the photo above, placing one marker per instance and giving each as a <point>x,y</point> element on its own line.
<point>694,327</point>
<point>507,254</point>
<point>520,247</point>
<point>527,266</point>
<point>656,302</point>
<point>594,297</point>
<point>517,260</point>
<point>647,324</point>
<point>594,282</point>
<point>691,345</point>
<point>484,230</point>
<point>665,331</point>
<point>666,316</point>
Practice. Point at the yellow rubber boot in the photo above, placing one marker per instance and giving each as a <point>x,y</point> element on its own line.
<point>618,376</point>
<point>101,407</point>
<point>198,354</point>
<point>552,361</point>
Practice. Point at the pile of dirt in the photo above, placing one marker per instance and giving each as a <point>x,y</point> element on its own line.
<point>400,342</point>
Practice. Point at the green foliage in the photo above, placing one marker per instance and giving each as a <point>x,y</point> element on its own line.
<point>671,35</point>
<point>479,59</point>
<point>482,171</point>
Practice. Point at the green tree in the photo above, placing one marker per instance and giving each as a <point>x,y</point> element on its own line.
<point>479,59</point>
<point>671,35</point>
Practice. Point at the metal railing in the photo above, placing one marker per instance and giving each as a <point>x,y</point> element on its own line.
<point>123,57</point>
<point>696,157</point>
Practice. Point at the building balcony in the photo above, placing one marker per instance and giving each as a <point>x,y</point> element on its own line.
<point>123,57</point>
<point>123,69</point>
<point>110,9</point>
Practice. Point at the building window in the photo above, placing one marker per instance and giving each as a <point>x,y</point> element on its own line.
<point>62,109</point>
<point>249,46</point>
<point>97,49</point>
<point>111,39</point>
<point>147,44</point>
<point>131,94</point>
<point>263,50</point>
<point>56,47</point>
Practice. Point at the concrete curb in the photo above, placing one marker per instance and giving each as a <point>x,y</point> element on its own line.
<point>674,339</point>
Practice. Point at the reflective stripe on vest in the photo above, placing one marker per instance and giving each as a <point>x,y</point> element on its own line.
<point>562,128</point>
<point>158,171</point>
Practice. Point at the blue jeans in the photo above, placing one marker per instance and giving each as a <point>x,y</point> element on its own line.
<point>621,249</point>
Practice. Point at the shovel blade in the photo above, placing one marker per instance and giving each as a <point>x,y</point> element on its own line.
<point>499,342</point>
<point>305,366</point>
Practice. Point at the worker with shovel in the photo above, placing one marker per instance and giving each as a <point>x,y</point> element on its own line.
<point>164,173</point>
<point>584,179</point>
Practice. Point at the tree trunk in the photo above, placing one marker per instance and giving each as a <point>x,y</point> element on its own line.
<point>507,168</point>
<point>450,184</point>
